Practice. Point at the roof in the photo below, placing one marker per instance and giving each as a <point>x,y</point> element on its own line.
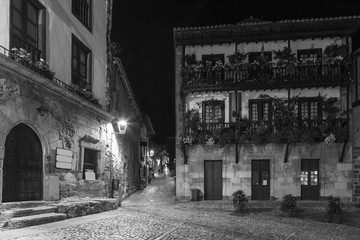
<point>148,125</point>
<point>253,29</point>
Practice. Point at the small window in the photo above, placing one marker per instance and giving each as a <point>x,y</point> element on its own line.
<point>309,109</point>
<point>90,164</point>
<point>260,110</point>
<point>310,55</point>
<point>211,59</point>
<point>213,111</point>
<point>259,57</point>
<point>80,65</point>
<point>82,9</point>
<point>28,27</point>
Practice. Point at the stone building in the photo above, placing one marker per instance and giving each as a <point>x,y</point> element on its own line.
<point>266,107</point>
<point>58,130</point>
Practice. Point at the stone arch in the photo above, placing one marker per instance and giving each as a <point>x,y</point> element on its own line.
<point>22,165</point>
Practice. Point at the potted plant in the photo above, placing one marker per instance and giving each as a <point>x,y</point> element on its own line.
<point>284,57</point>
<point>239,201</point>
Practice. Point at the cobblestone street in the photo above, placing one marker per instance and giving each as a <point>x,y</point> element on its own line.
<point>152,214</point>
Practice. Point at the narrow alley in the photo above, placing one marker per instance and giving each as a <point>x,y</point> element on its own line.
<point>153,214</point>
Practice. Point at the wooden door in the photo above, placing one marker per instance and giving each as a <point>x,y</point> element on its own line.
<point>22,178</point>
<point>213,180</point>
<point>260,180</point>
<point>310,188</point>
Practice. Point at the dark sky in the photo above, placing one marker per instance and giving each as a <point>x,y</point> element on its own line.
<point>144,29</point>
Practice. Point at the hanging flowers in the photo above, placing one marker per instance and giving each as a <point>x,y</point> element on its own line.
<point>210,141</point>
<point>330,139</point>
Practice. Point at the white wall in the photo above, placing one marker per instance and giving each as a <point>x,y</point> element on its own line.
<point>4,23</point>
<point>228,49</point>
<point>61,24</point>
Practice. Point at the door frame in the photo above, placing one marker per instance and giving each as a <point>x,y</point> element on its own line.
<point>309,180</point>
<point>205,177</point>
<point>269,179</point>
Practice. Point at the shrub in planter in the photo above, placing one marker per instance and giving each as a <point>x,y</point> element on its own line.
<point>288,205</point>
<point>239,201</point>
<point>334,209</point>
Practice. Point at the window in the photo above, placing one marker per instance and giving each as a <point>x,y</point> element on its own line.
<point>80,64</point>
<point>213,111</point>
<point>309,108</point>
<point>28,27</point>
<point>82,9</point>
<point>260,110</point>
<point>90,164</point>
<point>256,56</point>
<point>309,55</point>
<point>211,59</point>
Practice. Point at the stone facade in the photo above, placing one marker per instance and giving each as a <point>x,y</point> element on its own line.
<point>62,115</point>
<point>335,177</point>
<point>205,76</point>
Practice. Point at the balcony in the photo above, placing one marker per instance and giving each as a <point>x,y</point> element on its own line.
<point>246,131</point>
<point>29,61</point>
<point>256,77</point>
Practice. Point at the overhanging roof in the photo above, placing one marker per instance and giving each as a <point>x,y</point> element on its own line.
<point>253,30</point>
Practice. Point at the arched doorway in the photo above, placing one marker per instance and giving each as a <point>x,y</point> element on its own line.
<point>22,169</point>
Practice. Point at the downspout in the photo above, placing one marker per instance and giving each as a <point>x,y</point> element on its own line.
<point>347,122</point>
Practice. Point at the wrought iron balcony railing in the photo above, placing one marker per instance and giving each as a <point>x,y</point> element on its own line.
<point>29,63</point>
<point>266,77</point>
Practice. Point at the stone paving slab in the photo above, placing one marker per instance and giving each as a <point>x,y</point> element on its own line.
<point>140,218</point>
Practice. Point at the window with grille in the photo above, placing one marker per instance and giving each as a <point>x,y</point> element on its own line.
<point>309,55</point>
<point>80,64</point>
<point>28,27</point>
<point>82,9</point>
<point>260,110</point>
<point>90,164</point>
<point>213,111</point>
<point>309,109</point>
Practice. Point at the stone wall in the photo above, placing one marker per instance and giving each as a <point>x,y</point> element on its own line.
<point>335,177</point>
<point>64,125</point>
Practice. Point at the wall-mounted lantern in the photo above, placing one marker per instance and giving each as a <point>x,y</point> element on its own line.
<point>122,125</point>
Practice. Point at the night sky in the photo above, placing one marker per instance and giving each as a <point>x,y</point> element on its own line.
<point>144,30</point>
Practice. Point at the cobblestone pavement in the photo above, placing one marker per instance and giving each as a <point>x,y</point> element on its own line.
<point>152,214</point>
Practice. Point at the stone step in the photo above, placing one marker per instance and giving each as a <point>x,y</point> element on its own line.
<point>21,212</point>
<point>21,222</point>
<point>25,204</point>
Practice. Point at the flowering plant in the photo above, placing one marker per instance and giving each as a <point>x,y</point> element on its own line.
<point>284,56</point>
<point>335,53</point>
<point>188,140</point>
<point>237,59</point>
<point>330,139</point>
<point>21,55</point>
<point>44,67</point>
<point>210,141</point>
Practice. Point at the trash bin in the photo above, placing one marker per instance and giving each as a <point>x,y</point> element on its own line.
<point>200,196</point>
<point>195,194</point>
